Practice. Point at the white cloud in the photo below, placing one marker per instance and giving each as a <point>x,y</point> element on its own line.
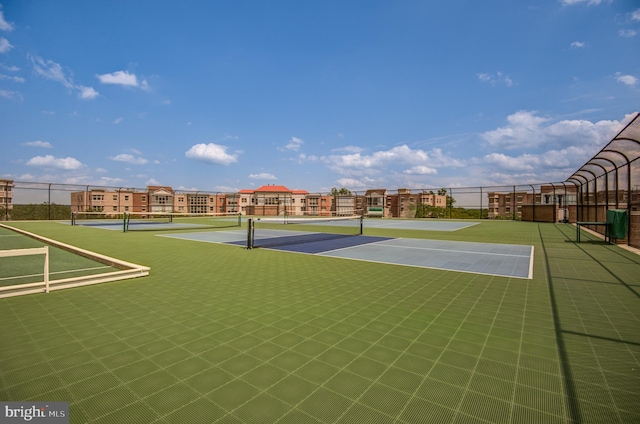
<point>127,158</point>
<point>307,158</point>
<point>497,78</point>
<point>212,153</point>
<point>110,180</point>
<point>11,78</point>
<point>588,2</point>
<point>87,93</point>
<point>294,144</point>
<point>523,127</point>
<point>10,94</point>
<point>629,80</point>
<point>123,78</point>
<point>118,120</point>
<point>627,33</point>
<point>545,162</point>
<point>635,15</point>
<point>11,68</point>
<point>578,44</point>
<point>49,161</point>
<point>571,142</point>
<point>4,25</point>
<point>356,184</point>
<point>527,131</point>
<point>51,70</point>
<point>348,149</point>
<point>55,72</point>
<point>263,176</point>
<point>421,170</point>
<point>5,45</point>
<point>520,163</point>
<point>38,143</point>
<point>419,162</point>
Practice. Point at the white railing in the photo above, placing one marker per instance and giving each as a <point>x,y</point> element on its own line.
<point>26,252</point>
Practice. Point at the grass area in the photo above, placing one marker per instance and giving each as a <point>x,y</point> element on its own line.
<point>217,333</point>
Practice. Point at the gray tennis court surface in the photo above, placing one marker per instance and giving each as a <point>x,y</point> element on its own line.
<point>425,225</point>
<point>480,258</point>
<point>505,260</point>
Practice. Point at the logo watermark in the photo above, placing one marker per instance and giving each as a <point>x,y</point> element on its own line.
<point>34,412</point>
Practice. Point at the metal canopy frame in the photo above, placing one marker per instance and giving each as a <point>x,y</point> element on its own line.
<point>616,157</point>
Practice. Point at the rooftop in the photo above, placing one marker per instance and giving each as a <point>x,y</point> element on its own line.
<point>219,333</point>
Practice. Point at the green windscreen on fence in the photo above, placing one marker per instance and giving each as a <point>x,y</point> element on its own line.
<point>618,223</point>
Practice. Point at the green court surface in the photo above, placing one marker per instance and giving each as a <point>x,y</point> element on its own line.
<point>218,333</point>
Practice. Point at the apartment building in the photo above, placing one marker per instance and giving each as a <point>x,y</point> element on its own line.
<point>510,205</point>
<point>267,200</point>
<point>376,203</point>
<point>275,200</point>
<point>100,200</point>
<point>6,198</point>
<point>405,203</point>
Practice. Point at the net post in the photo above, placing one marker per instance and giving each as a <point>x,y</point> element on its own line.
<point>361,224</point>
<point>239,219</point>
<point>73,218</point>
<point>124,222</point>
<point>46,269</point>
<point>249,233</point>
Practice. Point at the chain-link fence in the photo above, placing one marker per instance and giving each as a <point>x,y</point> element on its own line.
<point>610,180</point>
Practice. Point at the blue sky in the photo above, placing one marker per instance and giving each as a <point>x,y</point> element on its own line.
<point>229,95</point>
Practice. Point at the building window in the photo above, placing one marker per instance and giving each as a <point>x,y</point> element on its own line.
<point>115,197</point>
<point>126,198</point>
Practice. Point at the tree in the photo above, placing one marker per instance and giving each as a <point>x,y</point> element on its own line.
<point>340,192</point>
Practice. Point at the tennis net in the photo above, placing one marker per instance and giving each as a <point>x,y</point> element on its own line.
<point>140,221</point>
<point>281,231</point>
<point>97,219</point>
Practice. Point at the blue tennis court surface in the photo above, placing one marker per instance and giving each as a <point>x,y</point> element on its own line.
<point>503,260</point>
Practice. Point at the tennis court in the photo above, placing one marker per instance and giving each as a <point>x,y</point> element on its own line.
<point>482,258</point>
<point>219,334</point>
<point>419,224</point>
